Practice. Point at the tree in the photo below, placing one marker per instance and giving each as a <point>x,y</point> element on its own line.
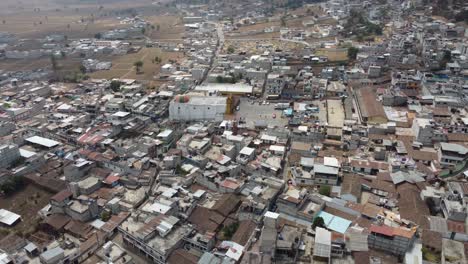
<point>445,59</point>
<point>82,69</point>
<point>352,53</point>
<point>318,222</point>
<point>115,86</point>
<point>143,30</point>
<point>138,65</point>
<point>228,231</point>
<point>53,62</point>
<point>325,190</point>
<point>13,184</point>
<point>105,216</point>
<point>230,49</point>
<point>157,60</point>
<point>283,21</point>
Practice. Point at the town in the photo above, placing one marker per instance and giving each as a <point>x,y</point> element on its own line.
<point>234,132</point>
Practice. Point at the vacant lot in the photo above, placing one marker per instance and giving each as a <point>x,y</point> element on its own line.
<point>76,19</point>
<point>333,54</point>
<point>26,202</point>
<point>259,26</point>
<point>170,27</point>
<point>122,67</point>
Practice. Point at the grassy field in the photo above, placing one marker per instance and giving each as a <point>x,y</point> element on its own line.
<point>26,202</point>
<point>122,67</point>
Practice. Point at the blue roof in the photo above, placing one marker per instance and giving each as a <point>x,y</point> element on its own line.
<point>288,112</point>
<point>334,223</point>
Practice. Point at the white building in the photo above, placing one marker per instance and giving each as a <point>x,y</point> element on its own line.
<point>197,108</point>
<point>8,155</point>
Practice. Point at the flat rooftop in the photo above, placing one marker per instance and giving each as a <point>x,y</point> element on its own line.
<point>225,88</point>
<point>161,244</point>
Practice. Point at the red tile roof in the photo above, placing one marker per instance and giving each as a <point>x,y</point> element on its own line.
<point>454,226</point>
<point>61,196</point>
<point>384,230</point>
<point>111,179</point>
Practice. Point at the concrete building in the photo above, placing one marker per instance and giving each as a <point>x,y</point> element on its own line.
<point>155,238</point>
<point>452,154</point>
<point>8,155</point>
<point>6,128</point>
<point>322,247</point>
<point>324,174</point>
<point>198,108</point>
<point>394,240</point>
<point>241,89</point>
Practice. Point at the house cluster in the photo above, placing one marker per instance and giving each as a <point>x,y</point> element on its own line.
<point>249,155</point>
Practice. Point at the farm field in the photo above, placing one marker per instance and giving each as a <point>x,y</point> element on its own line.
<point>122,67</point>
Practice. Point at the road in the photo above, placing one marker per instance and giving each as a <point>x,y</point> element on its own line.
<point>296,41</point>
<point>219,48</point>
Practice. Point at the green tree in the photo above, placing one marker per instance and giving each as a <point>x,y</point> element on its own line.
<point>138,65</point>
<point>352,53</point>
<point>53,62</point>
<point>230,49</point>
<point>12,185</point>
<point>230,230</point>
<point>318,222</point>
<point>325,190</point>
<point>445,59</point>
<point>105,216</point>
<point>115,86</point>
<point>82,69</point>
<point>219,79</point>
<point>283,21</point>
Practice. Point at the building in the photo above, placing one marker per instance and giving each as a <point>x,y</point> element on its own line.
<point>155,238</point>
<point>322,246</point>
<point>394,240</point>
<point>370,110</point>
<point>324,174</point>
<point>197,108</point>
<point>241,89</point>
<point>452,154</point>
<point>8,155</point>
<point>8,218</point>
